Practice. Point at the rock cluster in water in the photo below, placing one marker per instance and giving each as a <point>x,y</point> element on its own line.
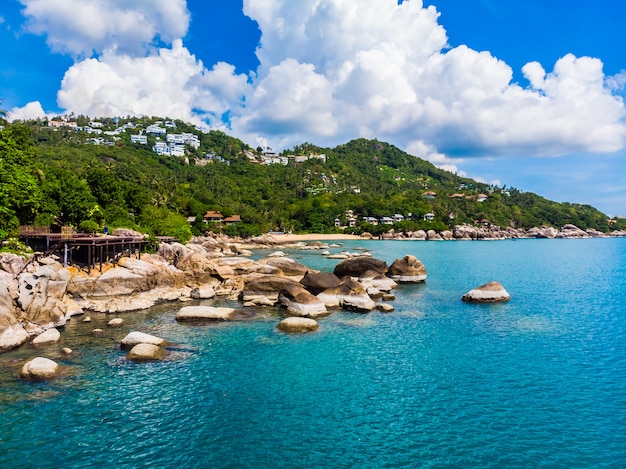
<point>39,295</point>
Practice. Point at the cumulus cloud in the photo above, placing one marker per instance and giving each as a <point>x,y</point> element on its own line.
<point>32,110</point>
<point>387,71</point>
<point>170,83</point>
<point>83,27</point>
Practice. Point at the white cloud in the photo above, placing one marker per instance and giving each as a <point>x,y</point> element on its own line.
<point>387,73</point>
<point>32,110</point>
<point>81,27</point>
<point>170,83</point>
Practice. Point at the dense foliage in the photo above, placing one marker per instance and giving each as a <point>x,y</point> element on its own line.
<point>54,176</point>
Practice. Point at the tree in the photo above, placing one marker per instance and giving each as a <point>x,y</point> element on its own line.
<point>20,196</point>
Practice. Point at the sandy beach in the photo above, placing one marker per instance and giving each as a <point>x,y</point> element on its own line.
<point>294,238</point>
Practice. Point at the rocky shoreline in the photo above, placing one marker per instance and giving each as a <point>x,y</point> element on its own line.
<point>493,232</point>
<point>39,295</point>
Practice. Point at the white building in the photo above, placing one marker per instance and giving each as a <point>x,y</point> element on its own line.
<point>175,138</point>
<point>155,129</point>
<point>191,140</point>
<point>177,149</point>
<point>161,148</point>
<point>142,139</point>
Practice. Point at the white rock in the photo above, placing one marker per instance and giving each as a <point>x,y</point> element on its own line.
<point>298,324</point>
<point>133,338</point>
<point>488,293</point>
<point>205,313</point>
<point>47,337</point>
<point>40,369</point>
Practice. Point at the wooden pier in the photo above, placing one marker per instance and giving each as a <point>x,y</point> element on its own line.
<point>83,249</point>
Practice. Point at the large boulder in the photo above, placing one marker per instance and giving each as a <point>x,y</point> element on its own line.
<point>40,369</point>
<point>356,266</point>
<point>407,270</point>
<point>491,292</point>
<point>205,313</point>
<point>297,324</point>
<point>350,295</point>
<point>133,338</point>
<point>317,282</point>
<point>266,286</point>
<point>12,334</point>
<point>301,302</point>
<point>41,295</point>
<point>146,352</point>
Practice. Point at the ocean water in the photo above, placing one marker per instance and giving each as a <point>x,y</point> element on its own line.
<point>537,382</point>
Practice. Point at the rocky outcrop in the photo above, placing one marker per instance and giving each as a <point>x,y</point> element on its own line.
<point>491,292</point>
<point>40,369</point>
<point>298,325</point>
<point>407,270</point>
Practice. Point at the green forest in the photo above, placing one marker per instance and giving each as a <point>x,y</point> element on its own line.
<point>57,176</point>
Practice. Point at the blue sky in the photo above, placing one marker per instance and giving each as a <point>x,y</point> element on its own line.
<point>524,93</point>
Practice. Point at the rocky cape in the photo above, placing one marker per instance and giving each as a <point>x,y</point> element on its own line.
<point>38,294</point>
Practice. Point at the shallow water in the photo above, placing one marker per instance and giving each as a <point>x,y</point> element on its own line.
<point>539,381</point>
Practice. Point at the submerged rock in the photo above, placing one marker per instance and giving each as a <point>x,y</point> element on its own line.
<point>116,322</point>
<point>297,324</point>
<point>146,352</point>
<point>491,292</point>
<point>205,313</point>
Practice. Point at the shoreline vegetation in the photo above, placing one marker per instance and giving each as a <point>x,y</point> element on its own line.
<point>58,175</point>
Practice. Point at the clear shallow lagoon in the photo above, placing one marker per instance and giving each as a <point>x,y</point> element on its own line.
<point>537,382</point>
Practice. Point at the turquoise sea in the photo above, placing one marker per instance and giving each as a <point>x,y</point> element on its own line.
<point>537,382</point>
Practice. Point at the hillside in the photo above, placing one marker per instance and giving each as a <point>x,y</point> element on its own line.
<point>89,174</point>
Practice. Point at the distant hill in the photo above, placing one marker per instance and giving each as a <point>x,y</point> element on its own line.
<point>88,173</point>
